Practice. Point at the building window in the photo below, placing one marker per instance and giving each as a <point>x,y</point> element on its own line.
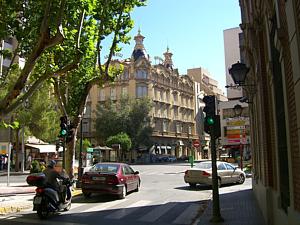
<point>88,111</point>
<point>125,75</point>
<point>165,126</point>
<point>190,130</point>
<point>178,128</point>
<point>162,95</point>
<point>113,95</point>
<point>85,127</point>
<point>141,91</point>
<point>101,95</point>
<point>175,113</point>
<point>141,74</point>
<point>175,98</point>
<point>124,91</point>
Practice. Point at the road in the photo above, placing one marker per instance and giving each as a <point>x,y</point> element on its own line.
<point>163,199</point>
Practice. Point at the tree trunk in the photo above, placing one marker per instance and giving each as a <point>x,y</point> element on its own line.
<point>70,155</point>
<point>17,147</point>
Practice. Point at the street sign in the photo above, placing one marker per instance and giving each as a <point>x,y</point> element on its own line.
<point>196,143</point>
<point>89,149</point>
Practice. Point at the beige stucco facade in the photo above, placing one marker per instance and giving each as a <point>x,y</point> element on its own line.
<point>172,95</point>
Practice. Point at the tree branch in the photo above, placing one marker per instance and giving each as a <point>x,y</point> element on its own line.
<point>114,43</point>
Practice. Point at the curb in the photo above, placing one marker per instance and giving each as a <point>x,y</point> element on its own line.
<point>13,209</point>
<point>26,205</point>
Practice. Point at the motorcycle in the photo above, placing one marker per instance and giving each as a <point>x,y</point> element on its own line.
<point>47,200</point>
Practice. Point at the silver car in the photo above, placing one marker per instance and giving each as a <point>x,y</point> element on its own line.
<point>202,174</point>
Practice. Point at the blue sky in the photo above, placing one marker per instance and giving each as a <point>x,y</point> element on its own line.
<point>193,30</point>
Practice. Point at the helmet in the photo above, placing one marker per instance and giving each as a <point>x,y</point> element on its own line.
<point>52,163</point>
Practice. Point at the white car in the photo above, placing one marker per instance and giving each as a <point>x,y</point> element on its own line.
<point>201,173</point>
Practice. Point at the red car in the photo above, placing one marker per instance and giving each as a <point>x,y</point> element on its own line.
<point>110,178</point>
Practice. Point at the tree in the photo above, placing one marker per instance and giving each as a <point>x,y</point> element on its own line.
<point>130,116</point>
<point>107,19</point>
<point>48,36</point>
<point>55,37</point>
<point>123,140</point>
<point>139,128</point>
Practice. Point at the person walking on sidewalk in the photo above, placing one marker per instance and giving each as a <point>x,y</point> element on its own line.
<point>29,160</point>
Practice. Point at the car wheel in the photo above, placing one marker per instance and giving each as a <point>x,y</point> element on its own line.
<point>124,192</point>
<point>241,179</point>
<point>138,186</point>
<point>192,185</point>
<point>86,194</point>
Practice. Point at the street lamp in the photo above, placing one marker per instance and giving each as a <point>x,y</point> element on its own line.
<point>237,110</point>
<point>238,73</point>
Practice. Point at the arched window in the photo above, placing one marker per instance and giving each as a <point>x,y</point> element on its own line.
<point>141,74</point>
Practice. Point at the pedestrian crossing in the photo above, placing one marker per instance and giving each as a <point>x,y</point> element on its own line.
<point>135,212</point>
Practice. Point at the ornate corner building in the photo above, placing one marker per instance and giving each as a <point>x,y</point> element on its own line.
<point>173,96</point>
<point>271,49</point>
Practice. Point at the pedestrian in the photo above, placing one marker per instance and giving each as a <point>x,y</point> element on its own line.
<point>29,160</point>
<point>1,162</point>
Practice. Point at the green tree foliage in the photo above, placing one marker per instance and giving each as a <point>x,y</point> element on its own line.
<point>62,41</point>
<point>123,140</point>
<point>128,115</point>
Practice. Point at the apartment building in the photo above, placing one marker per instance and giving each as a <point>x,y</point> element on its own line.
<point>173,97</point>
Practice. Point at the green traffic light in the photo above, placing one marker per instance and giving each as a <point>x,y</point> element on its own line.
<point>210,121</point>
<point>63,132</point>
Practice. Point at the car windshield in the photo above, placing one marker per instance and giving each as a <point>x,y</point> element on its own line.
<point>105,168</point>
<point>203,165</point>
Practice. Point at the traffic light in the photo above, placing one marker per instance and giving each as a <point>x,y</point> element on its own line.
<point>63,126</point>
<point>70,133</point>
<point>210,113</point>
<point>210,105</point>
<point>217,127</point>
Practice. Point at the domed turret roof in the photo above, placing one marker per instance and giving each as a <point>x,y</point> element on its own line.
<point>139,49</point>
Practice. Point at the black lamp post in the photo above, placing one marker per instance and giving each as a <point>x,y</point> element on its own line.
<point>237,110</point>
<point>238,73</point>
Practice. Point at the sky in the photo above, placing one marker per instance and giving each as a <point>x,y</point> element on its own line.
<point>192,29</point>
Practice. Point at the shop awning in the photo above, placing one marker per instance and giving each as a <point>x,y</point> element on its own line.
<point>43,148</point>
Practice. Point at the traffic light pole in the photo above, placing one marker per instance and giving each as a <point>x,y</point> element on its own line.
<point>64,153</point>
<point>216,203</point>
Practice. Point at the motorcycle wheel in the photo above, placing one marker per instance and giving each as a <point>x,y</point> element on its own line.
<point>43,211</point>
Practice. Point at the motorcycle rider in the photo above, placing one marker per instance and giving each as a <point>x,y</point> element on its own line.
<point>51,179</point>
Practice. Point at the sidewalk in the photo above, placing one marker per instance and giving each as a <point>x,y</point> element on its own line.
<point>237,208</point>
<point>19,196</point>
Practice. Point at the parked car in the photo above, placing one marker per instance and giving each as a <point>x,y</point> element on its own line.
<point>202,174</point>
<point>171,158</point>
<point>110,178</point>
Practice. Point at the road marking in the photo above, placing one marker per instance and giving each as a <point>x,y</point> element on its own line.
<point>188,214</point>
<point>100,207</point>
<point>157,212</point>
<point>129,209</point>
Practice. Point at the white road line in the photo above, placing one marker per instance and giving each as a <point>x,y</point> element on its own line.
<point>188,214</point>
<point>129,209</point>
<point>157,212</point>
<point>100,207</point>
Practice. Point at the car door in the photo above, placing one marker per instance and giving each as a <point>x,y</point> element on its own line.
<point>231,173</point>
<point>130,178</point>
<point>222,172</point>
